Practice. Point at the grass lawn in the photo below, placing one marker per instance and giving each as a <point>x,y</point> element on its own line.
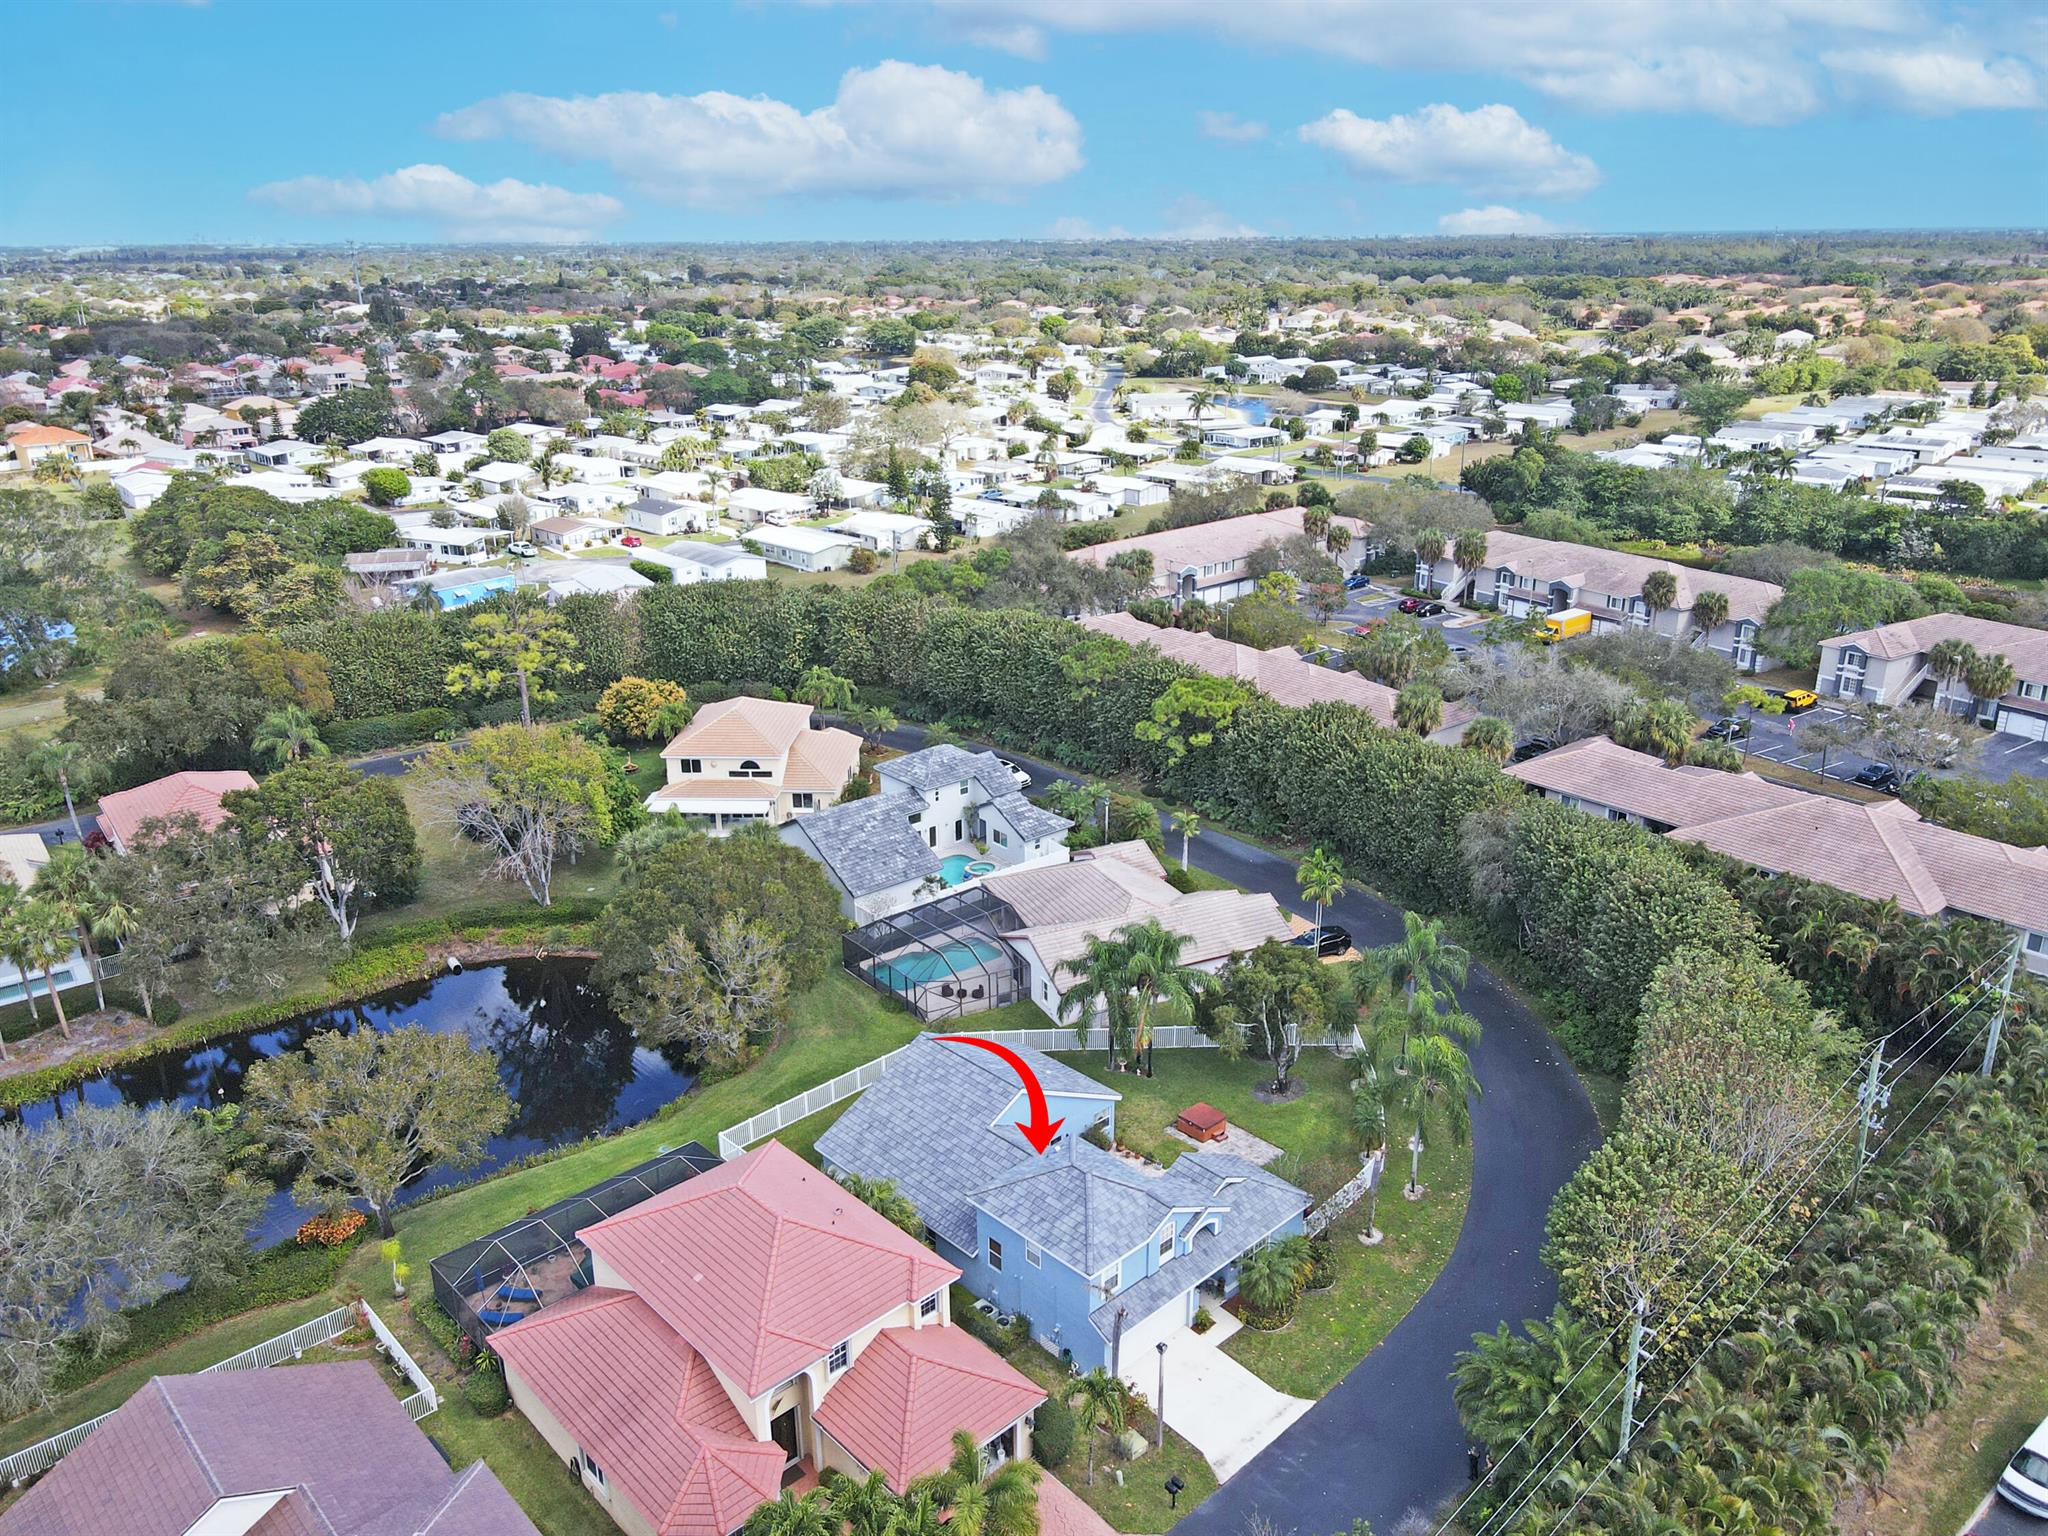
<point>1140,1506</point>
<point>530,1471</point>
<point>1951,1460</point>
<point>455,872</point>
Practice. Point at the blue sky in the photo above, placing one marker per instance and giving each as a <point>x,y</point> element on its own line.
<point>239,120</point>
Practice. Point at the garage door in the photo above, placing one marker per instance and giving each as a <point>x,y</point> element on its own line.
<point>1138,1354</point>
<point>2027,727</point>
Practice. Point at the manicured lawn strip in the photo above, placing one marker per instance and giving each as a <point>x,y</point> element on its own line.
<point>1140,1507</point>
<point>530,1471</point>
<point>1335,1329</point>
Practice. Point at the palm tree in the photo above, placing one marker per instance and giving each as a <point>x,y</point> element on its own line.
<point>822,688</point>
<point>1989,678</point>
<point>1100,986</point>
<point>1491,737</point>
<point>1440,1087</point>
<point>1709,612</point>
<point>1947,661</point>
<point>1422,966</point>
<point>1004,1503</point>
<point>1152,970</point>
<point>1102,1402</point>
<point>1322,881</point>
<point>885,1199</point>
<point>70,882</point>
<point>74,771</point>
<point>1188,825</point>
<point>1199,400</point>
<point>1660,591</point>
<point>864,1506</point>
<point>1468,552</point>
<point>14,939</point>
<point>792,1516</point>
<point>1269,1280</point>
<point>113,923</point>
<point>42,939</point>
<point>873,720</point>
<point>286,735</point>
<point>1419,708</point>
<point>1430,544</point>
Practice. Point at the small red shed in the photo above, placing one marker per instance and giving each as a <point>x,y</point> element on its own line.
<point>1202,1123</point>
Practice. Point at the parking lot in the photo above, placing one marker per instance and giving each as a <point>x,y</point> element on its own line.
<point>1777,738</point>
<point>1998,1518</point>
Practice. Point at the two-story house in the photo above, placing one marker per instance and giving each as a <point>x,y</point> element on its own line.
<point>1890,664</point>
<point>938,818</point>
<point>1212,561</point>
<point>1521,576</point>
<point>744,1331</point>
<point>746,760</point>
<point>1106,1257</point>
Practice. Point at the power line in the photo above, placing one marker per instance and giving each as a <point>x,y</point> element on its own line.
<point>1816,1160</point>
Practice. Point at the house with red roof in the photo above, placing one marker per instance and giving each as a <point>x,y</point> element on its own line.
<point>190,793</point>
<point>747,1329</point>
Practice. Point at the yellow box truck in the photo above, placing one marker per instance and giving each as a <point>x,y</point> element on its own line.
<point>1565,623</point>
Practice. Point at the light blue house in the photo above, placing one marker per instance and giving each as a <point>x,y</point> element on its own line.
<point>1106,1257</point>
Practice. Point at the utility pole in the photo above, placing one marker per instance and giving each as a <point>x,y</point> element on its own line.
<point>1869,1098</point>
<point>1159,1407</point>
<point>1633,1380</point>
<point>1998,1016</point>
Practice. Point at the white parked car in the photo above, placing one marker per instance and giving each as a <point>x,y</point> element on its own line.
<point>519,549</point>
<point>1023,779</point>
<point>2024,1482</point>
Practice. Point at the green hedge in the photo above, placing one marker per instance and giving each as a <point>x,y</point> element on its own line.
<point>287,1272</point>
<point>397,954</point>
<point>378,733</point>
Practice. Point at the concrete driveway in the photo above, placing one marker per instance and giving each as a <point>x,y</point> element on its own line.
<point>1226,1412</point>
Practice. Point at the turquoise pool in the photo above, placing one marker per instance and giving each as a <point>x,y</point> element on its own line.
<point>958,868</point>
<point>919,967</point>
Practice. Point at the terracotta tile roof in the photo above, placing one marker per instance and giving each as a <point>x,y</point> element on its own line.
<point>332,1438</point>
<point>1280,674</point>
<point>1880,850</point>
<point>123,812</point>
<point>741,727</point>
<point>763,1264</point>
<point>647,1408</point>
<point>2024,647</point>
<point>911,1388</point>
<point>1061,1512</point>
<point>45,437</point>
<point>822,760</point>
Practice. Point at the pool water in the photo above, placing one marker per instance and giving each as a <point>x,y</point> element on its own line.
<point>917,967</point>
<point>958,868</point>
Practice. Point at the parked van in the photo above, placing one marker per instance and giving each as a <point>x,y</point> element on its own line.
<point>1565,623</point>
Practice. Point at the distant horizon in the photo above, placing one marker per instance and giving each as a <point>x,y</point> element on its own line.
<point>729,122</point>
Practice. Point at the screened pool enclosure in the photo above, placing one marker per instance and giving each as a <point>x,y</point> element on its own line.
<point>943,959</point>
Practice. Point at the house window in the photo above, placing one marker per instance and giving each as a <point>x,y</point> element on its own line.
<point>842,1352</point>
<point>1111,1281</point>
<point>749,769</point>
<point>596,1472</point>
<point>803,800</point>
<point>2037,943</point>
<point>1166,1244</point>
<point>1001,838</point>
<point>929,1307</point>
<point>1849,668</point>
<point>995,1255</point>
<point>1033,1257</point>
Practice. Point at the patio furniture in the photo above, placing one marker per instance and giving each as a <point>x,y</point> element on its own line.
<point>1201,1122</point>
<point>499,1318</point>
<point>510,1292</point>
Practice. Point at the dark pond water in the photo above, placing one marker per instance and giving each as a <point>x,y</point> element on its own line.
<point>572,1067</point>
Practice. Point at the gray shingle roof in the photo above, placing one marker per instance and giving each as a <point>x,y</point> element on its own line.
<point>870,845</point>
<point>932,1124</point>
<point>936,767</point>
<point>1031,821</point>
<point>1086,1207</point>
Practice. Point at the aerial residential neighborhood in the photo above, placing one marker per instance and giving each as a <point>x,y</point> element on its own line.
<point>781,769</point>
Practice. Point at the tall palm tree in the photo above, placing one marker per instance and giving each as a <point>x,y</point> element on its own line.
<point>1709,613</point>
<point>1158,981</point>
<point>1100,986</point>
<point>1660,591</point>
<point>114,922</point>
<point>1100,1401</point>
<point>1322,881</point>
<point>1419,708</point>
<point>1422,966</point>
<point>1989,678</point>
<point>1430,544</point>
<point>14,939</point>
<point>1468,552</point>
<point>66,763</point>
<point>1947,662</point>
<point>42,939</point>
<point>822,688</point>
<point>1188,825</point>
<point>873,720</point>
<point>70,882</point>
<point>1439,1090</point>
<point>286,735</point>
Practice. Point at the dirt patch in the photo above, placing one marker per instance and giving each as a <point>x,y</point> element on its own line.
<point>90,1034</point>
<point>1294,1090</point>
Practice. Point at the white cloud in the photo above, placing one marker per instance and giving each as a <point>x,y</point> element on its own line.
<point>1196,218</point>
<point>1229,127</point>
<point>1751,61</point>
<point>1074,228</point>
<point>452,203</point>
<point>1494,219</point>
<point>1937,82</point>
<point>896,130</point>
<point>1489,149</point>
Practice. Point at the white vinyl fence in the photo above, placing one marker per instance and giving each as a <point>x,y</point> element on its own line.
<point>45,1454</point>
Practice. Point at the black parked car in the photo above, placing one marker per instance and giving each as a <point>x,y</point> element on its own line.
<point>1327,940</point>
<point>1727,728</point>
<point>1430,611</point>
<point>1534,748</point>
<point>1881,776</point>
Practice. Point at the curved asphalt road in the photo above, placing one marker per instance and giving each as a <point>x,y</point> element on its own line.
<point>1386,1439</point>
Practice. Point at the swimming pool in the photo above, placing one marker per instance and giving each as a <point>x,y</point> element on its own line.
<point>958,868</point>
<point>917,967</point>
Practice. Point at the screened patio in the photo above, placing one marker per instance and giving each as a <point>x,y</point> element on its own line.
<point>943,959</point>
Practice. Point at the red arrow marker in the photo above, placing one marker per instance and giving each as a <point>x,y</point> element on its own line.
<point>1039,1133</point>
